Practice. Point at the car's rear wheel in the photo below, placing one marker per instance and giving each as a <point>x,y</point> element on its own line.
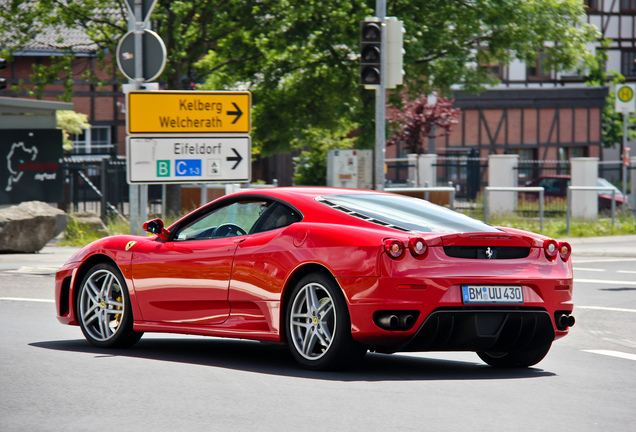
<point>103,308</point>
<point>515,359</point>
<point>318,327</point>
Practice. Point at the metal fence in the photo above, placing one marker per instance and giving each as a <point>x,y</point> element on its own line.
<point>95,184</point>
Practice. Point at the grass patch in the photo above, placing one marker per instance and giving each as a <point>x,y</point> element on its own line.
<point>80,234</point>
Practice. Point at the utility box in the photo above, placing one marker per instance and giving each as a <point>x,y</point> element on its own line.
<point>350,169</point>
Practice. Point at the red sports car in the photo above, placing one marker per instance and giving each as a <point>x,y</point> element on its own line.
<point>331,272</point>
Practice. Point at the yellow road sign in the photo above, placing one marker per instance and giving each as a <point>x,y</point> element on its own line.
<point>625,100</point>
<point>625,94</point>
<point>188,112</point>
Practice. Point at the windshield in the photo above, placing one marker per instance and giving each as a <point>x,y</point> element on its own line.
<point>604,183</point>
<point>408,213</point>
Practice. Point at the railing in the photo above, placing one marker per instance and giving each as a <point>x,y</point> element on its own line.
<point>538,189</point>
<point>426,190</point>
<point>587,188</point>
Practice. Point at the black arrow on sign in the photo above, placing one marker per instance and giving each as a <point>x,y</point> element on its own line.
<point>236,158</point>
<point>238,113</point>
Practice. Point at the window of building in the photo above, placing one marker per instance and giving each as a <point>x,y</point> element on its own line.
<point>494,69</point>
<point>628,5</point>
<point>628,63</point>
<point>527,165</point>
<point>95,140</point>
<point>539,70</point>
<point>591,5</point>
<point>575,152</point>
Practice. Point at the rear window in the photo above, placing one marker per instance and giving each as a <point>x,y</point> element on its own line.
<point>405,213</point>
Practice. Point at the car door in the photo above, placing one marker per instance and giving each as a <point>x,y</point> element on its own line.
<point>186,279</point>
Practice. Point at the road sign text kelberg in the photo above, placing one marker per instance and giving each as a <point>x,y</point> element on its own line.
<point>172,112</point>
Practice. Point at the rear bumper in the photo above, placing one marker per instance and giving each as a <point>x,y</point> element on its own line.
<point>443,322</point>
<point>482,330</point>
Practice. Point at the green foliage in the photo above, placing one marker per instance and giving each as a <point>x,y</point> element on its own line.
<point>612,121</point>
<point>557,227</point>
<point>311,166</point>
<point>300,58</point>
<point>71,123</point>
<point>78,234</point>
<point>443,38</point>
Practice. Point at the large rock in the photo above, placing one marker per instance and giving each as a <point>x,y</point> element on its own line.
<point>29,226</point>
<point>91,222</point>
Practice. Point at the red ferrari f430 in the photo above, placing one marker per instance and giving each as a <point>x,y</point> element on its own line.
<point>333,273</point>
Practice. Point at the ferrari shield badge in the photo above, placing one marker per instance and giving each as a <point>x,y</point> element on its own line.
<point>130,244</point>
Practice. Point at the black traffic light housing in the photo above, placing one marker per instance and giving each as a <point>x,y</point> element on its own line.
<point>370,52</point>
<point>3,82</point>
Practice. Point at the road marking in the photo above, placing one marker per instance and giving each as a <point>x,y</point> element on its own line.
<point>626,271</point>
<point>618,354</point>
<point>40,270</point>
<point>610,309</point>
<point>588,269</point>
<point>602,260</point>
<point>27,299</point>
<point>607,282</point>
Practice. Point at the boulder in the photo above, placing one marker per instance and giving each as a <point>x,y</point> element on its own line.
<point>89,221</point>
<point>29,226</point>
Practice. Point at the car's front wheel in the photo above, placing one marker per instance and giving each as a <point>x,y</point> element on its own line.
<point>103,308</point>
<point>318,328</point>
<point>515,359</point>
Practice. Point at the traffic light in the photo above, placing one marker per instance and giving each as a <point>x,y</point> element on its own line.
<point>3,82</point>
<point>395,52</point>
<point>370,52</point>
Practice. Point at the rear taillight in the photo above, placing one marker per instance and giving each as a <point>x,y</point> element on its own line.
<point>394,248</point>
<point>551,249</point>
<point>565,250</point>
<point>417,246</point>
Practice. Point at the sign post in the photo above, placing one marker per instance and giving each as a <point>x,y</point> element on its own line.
<point>625,103</point>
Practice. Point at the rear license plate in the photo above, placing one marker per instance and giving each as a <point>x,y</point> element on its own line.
<point>492,294</point>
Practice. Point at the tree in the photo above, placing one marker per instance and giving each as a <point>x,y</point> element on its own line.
<point>71,123</point>
<point>300,57</point>
<point>417,119</point>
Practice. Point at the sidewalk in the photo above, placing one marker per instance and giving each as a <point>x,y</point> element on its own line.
<point>47,261</point>
<point>612,246</point>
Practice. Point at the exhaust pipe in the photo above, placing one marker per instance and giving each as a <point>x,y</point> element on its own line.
<point>564,321</point>
<point>407,321</point>
<point>389,322</point>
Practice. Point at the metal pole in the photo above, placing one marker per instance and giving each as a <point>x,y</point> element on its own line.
<point>485,205</point>
<point>541,208</point>
<point>568,210</point>
<point>103,186</point>
<point>380,104</point>
<point>136,191</point>
<point>624,157</point>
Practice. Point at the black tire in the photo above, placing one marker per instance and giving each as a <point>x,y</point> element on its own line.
<point>103,308</point>
<point>515,359</point>
<point>318,327</point>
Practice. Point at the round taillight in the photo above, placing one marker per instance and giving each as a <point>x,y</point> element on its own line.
<point>551,249</point>
<point>394,248</point>
<point>417,246</point>
<point>565,250</point>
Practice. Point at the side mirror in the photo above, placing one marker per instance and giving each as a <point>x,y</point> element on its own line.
<point>155,226</point>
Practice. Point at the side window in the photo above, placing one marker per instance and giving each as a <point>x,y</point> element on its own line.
<point>232,220</point>
<point>551,185</point>
<point>277,217</point>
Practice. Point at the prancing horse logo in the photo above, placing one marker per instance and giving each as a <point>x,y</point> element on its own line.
<point>488,253</point>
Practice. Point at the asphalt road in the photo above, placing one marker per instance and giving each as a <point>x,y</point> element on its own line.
<point>52,380</point>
